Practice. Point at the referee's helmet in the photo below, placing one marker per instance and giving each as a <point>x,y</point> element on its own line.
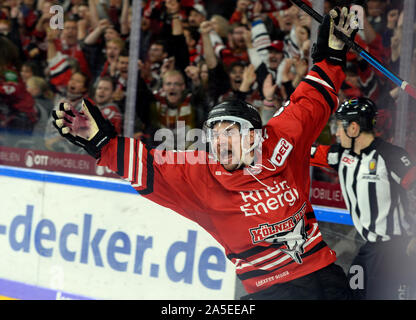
<point>360,110</point>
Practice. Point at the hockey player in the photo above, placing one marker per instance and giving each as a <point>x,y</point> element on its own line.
<point>255,204</point>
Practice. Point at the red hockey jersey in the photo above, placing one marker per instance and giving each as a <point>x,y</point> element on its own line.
<point>262,218</point>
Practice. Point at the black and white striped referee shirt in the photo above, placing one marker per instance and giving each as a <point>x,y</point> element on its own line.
<point>374,186</point>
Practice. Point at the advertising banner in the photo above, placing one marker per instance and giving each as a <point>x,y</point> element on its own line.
<point>69,241</point>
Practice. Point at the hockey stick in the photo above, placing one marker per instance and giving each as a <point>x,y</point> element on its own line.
<point>404,85</point>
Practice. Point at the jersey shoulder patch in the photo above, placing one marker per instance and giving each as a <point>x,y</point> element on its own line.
<point>281,152</point>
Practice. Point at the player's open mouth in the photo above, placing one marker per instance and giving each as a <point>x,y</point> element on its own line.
<point>226,156</point>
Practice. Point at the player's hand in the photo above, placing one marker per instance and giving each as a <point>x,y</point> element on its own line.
<point>87,129</point>
<point>328,46</point>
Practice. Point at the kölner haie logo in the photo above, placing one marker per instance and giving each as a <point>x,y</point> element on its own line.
<point>290,233</point>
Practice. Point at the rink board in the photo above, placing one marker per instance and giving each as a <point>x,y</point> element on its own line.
<point>75,237</point>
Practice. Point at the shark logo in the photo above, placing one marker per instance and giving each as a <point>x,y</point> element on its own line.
<point>294,242</point>
<point>290,233</point>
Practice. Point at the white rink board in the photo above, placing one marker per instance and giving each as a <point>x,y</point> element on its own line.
<point>105,245</point>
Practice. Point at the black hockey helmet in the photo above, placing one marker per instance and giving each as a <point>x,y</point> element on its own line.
<point>360,110</point>
<point>237,111</point>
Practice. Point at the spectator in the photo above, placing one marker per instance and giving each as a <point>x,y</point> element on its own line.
<point>221,26</point>
<point>151,67</point>
<point>120,77</point>
<point>29,69</point>
<point>94,45</point>
<point>236,49</point>
<point>9,27</point>
<point>197,15</point>
<point>17,107</point>
<point>192,37</point>
<point>242,13</point>
<point>113,49</point>
<point>40,91</point>
<point>294,70</point>
<point>67,44</point>
<point>173,103</point>
<point>376,14</point>
<point>76,90</point>
<point>104,99</point>
<point>200,84</point>
<point>87,16</point>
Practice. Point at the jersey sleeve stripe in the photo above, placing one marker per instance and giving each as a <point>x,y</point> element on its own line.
<point>149,175</point>
<point>120,156</point>
<point>318,80</point>
<point>322,91</point>
<point>130,160</point>
<point>140,170</point>
<point>323,75</point>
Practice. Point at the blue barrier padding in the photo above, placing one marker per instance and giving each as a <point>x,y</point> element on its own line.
<point>325,214</point>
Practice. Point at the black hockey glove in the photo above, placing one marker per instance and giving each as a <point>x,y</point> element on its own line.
<point>87,129</point>
<point>328,46</point>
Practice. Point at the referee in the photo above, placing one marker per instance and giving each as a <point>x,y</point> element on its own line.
<point>378,185</point>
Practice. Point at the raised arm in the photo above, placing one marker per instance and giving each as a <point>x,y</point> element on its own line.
<point>316,97</point>
<point>209,54</point>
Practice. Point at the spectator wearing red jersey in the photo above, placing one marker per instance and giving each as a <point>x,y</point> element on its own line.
<point>228,78</point>
<point>17,107</point>
<point>113,48</point>
<point>103,97</point>
<point>192,38</point>
<point>242,13</point>
<point>67,44</point>
<point>236,49</point>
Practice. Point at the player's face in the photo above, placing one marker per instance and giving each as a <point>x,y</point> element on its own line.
<point>227,143</point>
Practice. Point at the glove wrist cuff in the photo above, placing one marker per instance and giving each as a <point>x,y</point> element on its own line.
<point>103,137</point>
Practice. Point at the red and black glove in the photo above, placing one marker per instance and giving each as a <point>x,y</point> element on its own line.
<point>328,46</point>
<point>87,129</point>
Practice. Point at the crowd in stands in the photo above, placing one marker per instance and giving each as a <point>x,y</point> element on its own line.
<point>193,54</point>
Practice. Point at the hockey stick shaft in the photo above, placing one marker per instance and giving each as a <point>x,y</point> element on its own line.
<point>404,85</point>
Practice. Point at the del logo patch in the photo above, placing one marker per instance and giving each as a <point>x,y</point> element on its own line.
<point>281,152</point>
